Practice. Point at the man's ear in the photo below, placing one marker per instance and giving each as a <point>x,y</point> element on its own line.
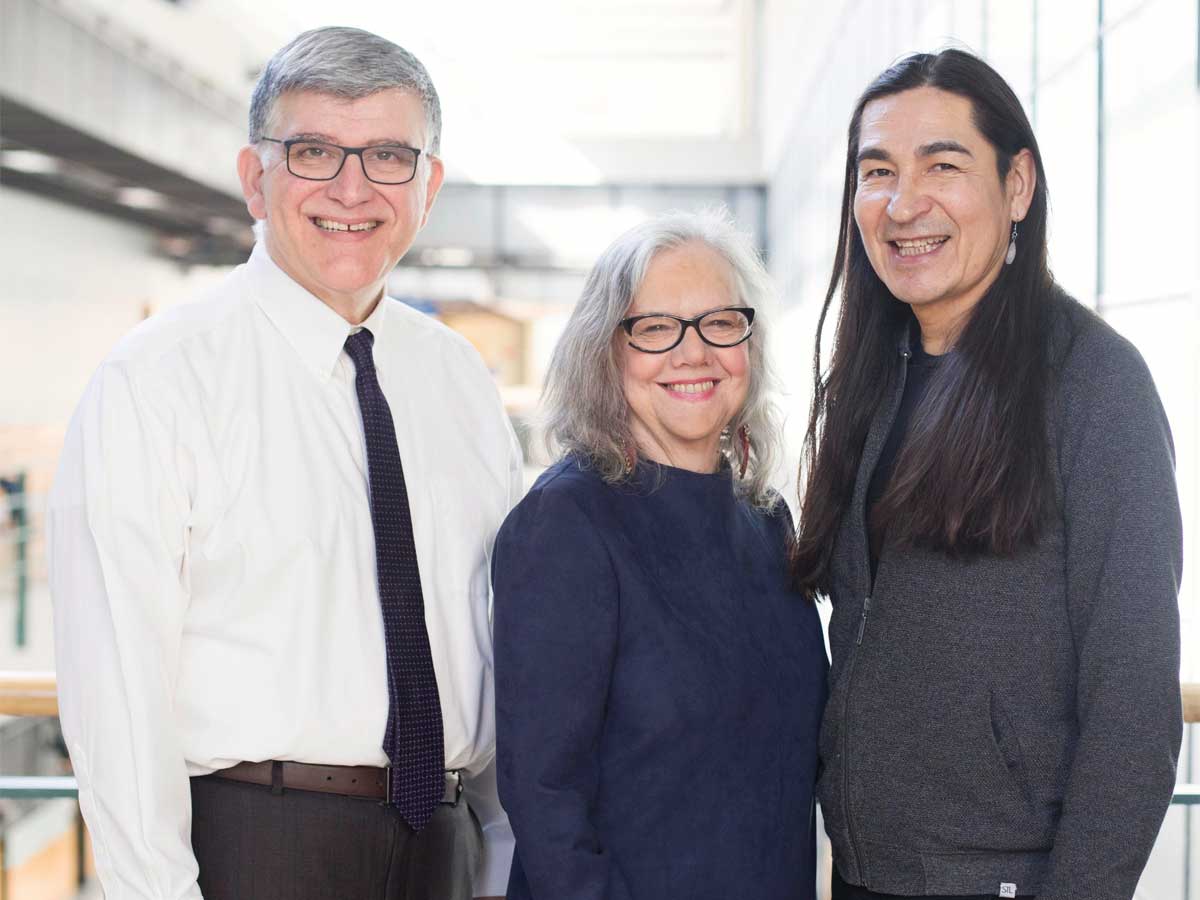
<point>1021,181</point>
<point>250,171</point>
<point>433,184</point>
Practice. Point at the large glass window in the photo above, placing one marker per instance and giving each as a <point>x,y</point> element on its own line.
<point>1066,129</point>
<point>1151,147</point>
<point>1009,45</point>
<point>1065,31</point>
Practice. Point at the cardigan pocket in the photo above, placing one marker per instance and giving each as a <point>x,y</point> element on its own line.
<point>1008,746</point>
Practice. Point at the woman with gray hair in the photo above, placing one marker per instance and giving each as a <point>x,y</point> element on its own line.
<point>659,686</point>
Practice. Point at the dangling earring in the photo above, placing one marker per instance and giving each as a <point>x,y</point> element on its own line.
<point>1012,247</point>
<point>744,438</point>
<point>627,452</point>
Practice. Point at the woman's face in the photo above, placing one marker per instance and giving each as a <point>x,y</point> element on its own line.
<point>681,399</point>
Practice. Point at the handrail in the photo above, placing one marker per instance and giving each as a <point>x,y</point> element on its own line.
<point>28,694</point>
<point>1191,702</point>
<point>35,694</point>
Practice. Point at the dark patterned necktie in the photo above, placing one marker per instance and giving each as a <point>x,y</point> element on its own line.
<point>413,741</point>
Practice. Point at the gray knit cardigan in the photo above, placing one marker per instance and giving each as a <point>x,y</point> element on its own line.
<point>1008,726</point>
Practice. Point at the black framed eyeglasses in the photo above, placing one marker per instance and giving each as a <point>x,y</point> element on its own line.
<point>322,161</point>
<point>659,332</point>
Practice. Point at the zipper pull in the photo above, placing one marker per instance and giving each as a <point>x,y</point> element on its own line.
<point>862,626</point>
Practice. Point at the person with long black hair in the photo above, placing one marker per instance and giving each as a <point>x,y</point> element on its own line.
<point>989,502</point>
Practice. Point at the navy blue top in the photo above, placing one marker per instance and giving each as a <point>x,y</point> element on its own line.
<point>658,692</point>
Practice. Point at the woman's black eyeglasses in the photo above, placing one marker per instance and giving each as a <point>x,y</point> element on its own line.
<point>659,332</point>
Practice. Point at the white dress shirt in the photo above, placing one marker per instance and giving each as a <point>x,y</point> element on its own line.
<point>212,560</point>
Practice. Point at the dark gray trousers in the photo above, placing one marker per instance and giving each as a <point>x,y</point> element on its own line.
<point>253,844</point>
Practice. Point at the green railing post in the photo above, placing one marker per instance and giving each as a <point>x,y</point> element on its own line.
<point>15,488</point>
<point>3,867</point>
<point>80,848</point>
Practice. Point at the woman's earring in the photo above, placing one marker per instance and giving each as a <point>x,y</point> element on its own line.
<point>627,452</point>
<point>744,438</point>
<point>1012,247</point>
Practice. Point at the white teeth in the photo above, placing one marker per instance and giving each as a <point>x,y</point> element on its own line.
<point>698,387</point>
<point>330,225</point>
<point>918,246</point>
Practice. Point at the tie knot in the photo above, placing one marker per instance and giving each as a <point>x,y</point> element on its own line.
<point>358,346</point>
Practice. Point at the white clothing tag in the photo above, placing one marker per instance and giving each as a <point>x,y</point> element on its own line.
<point>1008,889</point>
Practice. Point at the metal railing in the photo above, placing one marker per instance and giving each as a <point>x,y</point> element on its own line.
<point>31,742</point>
<point>18,514</point>
<point>35,694</point>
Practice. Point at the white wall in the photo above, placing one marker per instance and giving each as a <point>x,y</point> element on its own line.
<point>74,282</point>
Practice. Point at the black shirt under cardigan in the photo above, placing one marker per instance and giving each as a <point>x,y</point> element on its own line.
<point>921,368</point>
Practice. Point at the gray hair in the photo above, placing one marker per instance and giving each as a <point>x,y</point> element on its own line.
<point>348,63</point>
<point>584,410</point>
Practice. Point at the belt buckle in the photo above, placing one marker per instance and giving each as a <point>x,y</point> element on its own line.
<point>387,785</point>
<point>458,788</point>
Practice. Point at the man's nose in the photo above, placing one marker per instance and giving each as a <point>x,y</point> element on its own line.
<point>351,186</point>
<point>909,200</point>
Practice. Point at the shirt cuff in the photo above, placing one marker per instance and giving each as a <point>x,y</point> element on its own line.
<point>492,877</point>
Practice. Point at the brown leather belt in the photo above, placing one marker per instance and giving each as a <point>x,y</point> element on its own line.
<point>370,782</point>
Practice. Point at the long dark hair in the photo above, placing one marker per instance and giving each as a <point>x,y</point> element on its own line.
<point>971,476</point>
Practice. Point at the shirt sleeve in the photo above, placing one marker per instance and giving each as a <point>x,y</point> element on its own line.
<point>480,791</point>
<point>117,547</point>
<point>556,643</point>
<point>1124,564</point>
<point>479,786</point>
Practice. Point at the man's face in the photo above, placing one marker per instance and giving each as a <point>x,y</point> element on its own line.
<point>346,269</point>
<point>934,215</point>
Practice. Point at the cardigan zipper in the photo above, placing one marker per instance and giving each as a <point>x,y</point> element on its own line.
<point>862,625</point>
<point>862,628</point>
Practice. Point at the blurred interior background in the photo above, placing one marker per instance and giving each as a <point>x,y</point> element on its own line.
<point>565,122</point>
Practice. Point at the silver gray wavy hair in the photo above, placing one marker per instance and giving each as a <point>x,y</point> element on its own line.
<point>584,410</point>
<point>348,63</point>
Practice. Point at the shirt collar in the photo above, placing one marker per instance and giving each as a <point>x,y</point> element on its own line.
<point>373,322</point>
<point>314,330</point>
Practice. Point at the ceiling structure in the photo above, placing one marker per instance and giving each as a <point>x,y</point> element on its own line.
<point>135,109</point>
<point>195,223</point>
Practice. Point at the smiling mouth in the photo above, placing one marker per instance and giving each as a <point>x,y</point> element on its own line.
<point>918,246</point>
<point>330,225</point>
<point>692,387</point>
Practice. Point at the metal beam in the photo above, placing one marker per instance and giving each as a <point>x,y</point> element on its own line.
<point>83,70</point>
<point>53,159</point>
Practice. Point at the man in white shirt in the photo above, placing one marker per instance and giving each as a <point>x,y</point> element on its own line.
<point>270,534</point>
